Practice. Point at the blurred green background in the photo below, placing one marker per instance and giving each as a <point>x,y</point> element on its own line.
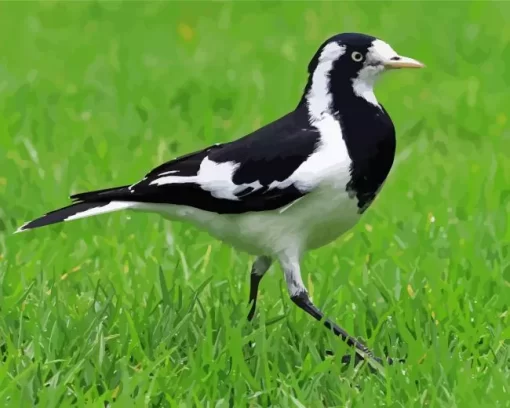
<point>130,310</point>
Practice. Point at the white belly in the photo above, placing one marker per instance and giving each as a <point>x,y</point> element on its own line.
<point>310,222</point>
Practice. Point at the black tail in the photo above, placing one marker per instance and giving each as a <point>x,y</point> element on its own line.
<point>108,194</point>
<point>89,204</point>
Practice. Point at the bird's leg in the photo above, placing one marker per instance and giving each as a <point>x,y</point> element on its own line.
<point>299,295</point>
<point>303,301</point>
<point>259,268</point>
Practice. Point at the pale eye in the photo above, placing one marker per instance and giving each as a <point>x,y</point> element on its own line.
<point>357,56</point>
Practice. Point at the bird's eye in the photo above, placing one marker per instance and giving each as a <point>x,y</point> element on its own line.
<point>357,56</point>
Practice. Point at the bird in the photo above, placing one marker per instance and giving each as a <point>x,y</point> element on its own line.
<point>294,185</point>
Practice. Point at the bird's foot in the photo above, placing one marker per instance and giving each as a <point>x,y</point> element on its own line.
<point>346,359</point>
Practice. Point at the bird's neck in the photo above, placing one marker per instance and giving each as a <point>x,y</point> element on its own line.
<point>334,95</point>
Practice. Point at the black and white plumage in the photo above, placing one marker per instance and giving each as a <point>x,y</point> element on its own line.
<point>296,184</point>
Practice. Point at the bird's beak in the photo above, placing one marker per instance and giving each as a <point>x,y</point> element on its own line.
<point>403,62</point>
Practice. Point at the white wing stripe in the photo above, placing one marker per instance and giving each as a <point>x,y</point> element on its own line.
<point>213,177</point>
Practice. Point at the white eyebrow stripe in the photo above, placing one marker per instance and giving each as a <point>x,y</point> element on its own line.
<point>380,50</point>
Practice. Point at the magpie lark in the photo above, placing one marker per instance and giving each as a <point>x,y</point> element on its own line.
<point>296,184</point>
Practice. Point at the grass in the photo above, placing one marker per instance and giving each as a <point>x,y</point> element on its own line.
<point>131,310</point>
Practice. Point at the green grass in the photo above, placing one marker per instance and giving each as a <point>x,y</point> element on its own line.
<point>133,310</point>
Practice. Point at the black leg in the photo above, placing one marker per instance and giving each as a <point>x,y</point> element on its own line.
<point>259,268</point>
<point>304,302</point>
<point>290,264</point>
<point>254,289</point>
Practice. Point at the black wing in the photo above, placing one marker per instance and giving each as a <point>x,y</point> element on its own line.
<point>253,173</point>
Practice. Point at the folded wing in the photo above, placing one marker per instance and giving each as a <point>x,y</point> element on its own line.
<point>256,173</point>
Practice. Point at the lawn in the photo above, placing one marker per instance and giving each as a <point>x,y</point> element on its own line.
<point>132,310</point>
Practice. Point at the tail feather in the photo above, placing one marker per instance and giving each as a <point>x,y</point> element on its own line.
<point>107,194</point>
<point>74,212</point>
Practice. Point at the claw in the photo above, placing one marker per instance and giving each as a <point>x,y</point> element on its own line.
<point>346,359</point>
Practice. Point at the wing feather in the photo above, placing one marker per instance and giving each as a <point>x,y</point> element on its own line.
<point>250,174</point>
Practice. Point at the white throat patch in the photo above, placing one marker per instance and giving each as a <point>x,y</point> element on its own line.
<point>363,84</point>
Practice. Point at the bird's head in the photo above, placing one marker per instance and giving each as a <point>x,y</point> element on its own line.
<point>352,62</point>
<point>355,55</point>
